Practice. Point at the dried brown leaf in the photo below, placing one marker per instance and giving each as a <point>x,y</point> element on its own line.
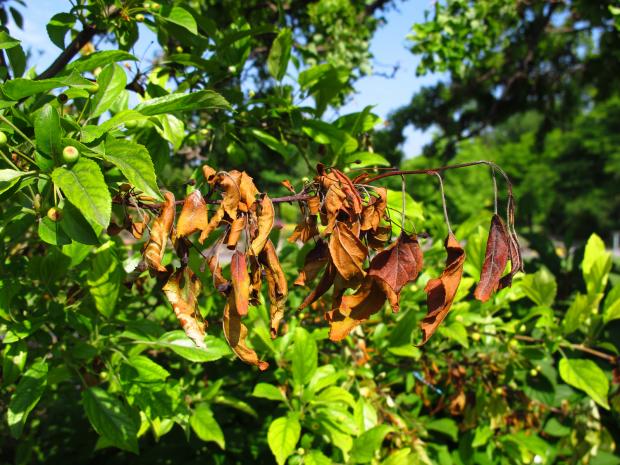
<point>209,174</point>
<point>182,290</point>
<point>347,251</point>
<point>194,215</point>
<point>236,334</point>
<point>240,282</point>
<point>222,284</point>
<point>373,213</point>
<point>441,291</point>
<point>236,228</point>
<point>277,286</point>
<point>214,222</point>
<point>247,191</point>
<point>265,219</point>
<point>156,246</point>
<point>323,285</point>
<point>396,266</point>
<point>305,230</point>
<point>495,260</point>
<point>314,262</point>
<point>355,309</point>
<point>314,204</point>
<point>333,204</point>
<point>138,227</point>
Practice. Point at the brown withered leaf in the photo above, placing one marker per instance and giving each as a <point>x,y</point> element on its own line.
<point>229,182</point>
<point>247,191</point>
<point>240,282</point>
<point>323,285</point>
<point>265,218</point>
<point>495,260</point>
<point>305,230</point>
<point>334,202</point>
<point>220,283</point>
<point>376,239</point>
<point>516,262</point>
<point>156,246</point>
<point>373,213</point>
<point>236,333</point>
<point>256,281</point>
<point>236,228</point>
<point>194,215</point>
<point>314,204</point>
<point>138,227</point>
<point>209,174</point>
<point>287,184</point>
<point>214,222</point>
<point>441,291</point>
<point>355,309</point>
<point>277,286</point>
<point>396,266</point>
<point>314,261</point>
<point>347,251</point>
<point>182,290</point>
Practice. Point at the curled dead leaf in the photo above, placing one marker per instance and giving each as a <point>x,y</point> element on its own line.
<point>347,251</point>
<point>138,227</point>
<point>156,246</point>
<point>240,282</point>
<point>236,334</point>
<point>209,174</point>
<point>194,215</point>
<point>396,266</point>
<point>265,219</point>
<point>314,262</point>
<point>182,290</point>
<point>495,260</point>
<point>305,230</point>
<point>276,284</point>
<point>323,285</point>
<point>441,291</point>
<point>373,213</point>
<point>215,221</point>
<point>234,233</point>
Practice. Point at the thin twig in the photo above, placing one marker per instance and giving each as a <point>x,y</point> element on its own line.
<point>443,202</point>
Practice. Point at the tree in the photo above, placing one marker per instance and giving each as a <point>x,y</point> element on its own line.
<point>122,327</point>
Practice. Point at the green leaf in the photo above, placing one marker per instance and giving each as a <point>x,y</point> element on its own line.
<point>104,279</point>
<point>326,133</point>
<point>273,143</point>
<point>369,443</point>
<point>110,418</point>
<point>280,54</point>
<point>92,132</point>
<point>283,435</point>
<point>6,41</point>
<point>205,426</point>
<point>182,17</point>
<point>13,361</point>
<point>52,232</point>
<point>76,227</point>
<point>84,186</point>
<point>596,265</point>
<point>540,287</point>
<point>180,344</point>
<point>26,396</point>
<point>58,27</point>
<point>19,88</point>
<point>142,370</point>
<point>611,308</point>
<point>304,357</point>
<point>407,350</point>
<point>268,391</point>
<point>413,210</point>
<point>135,163</point>
<point>172,129</point>
<point>364,160</point>
<point>587,376</point>
<point>112,81</point>
<point>577,314</point>
<point>446,426</point>
<point>316,457</point>
<point>201,100</point>
<point>9,177</point>
<point>334,394</point>
<point>99,60</point>
<point>47,132</point>
<point>401,457</point>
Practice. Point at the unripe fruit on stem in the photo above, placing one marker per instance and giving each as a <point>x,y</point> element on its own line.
<point>140,17</point>
<point>3,139</point>
<point>93,88</point>
<point>179,49</point>
<point>70,154</point>
<point>54,214</point>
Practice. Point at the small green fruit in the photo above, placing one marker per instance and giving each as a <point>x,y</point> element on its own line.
<point>179,49</point>
<point>140,17</point>
<point>92,89</point>
<point>70,154</point>
<point>533,372</point>
<point>3,139</point>
<point>54,214</point>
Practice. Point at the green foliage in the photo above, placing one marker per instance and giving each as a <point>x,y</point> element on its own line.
<point>94,365</point>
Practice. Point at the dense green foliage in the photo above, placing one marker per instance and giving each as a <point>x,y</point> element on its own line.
<point>95,368</point>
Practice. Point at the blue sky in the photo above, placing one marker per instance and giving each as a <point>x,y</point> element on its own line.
<point>388,47</point>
